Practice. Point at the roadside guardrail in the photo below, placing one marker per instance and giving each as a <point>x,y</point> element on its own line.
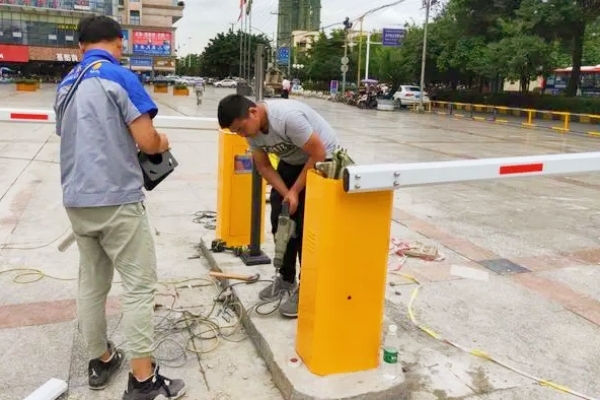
<point>560,121</point>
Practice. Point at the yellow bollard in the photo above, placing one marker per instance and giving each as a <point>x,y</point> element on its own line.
<point>344,269</point>
<point>529,122</point>
<point>565,122</point>
<point>234,191</point>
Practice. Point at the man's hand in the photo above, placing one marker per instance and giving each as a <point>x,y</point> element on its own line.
<point>164,143</point>
<point>292,199</point>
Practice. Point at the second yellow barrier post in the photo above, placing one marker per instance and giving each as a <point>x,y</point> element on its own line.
<point>344,270</point>
<point>234,188</point>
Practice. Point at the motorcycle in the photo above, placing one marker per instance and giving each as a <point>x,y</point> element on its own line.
<point>367,101</point>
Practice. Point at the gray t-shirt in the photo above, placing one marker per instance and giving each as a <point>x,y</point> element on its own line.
<point>291,123</point>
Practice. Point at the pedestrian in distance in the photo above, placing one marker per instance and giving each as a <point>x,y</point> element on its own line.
<point>300,138</point>
<point>103,116</point>
<point>286,87</point>
<point>199,89</point>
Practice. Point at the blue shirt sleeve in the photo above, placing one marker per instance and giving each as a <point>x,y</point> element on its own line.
<point>138,95</point>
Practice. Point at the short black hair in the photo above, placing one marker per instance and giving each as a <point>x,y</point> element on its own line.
<point>232,107</point>
<point>98,28</point>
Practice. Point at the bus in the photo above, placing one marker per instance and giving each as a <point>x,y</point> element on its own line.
<point>589,82</point>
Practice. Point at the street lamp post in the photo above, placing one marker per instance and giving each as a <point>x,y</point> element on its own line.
<point>424,55</point>
<point>280,42</point>
<point>345,57</point>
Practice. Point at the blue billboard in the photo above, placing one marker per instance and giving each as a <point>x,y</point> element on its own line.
<point>283,56</point>
<point>393,37</point>
<point>140,62</point>
<point>152,43</point>
<point>125,41</point>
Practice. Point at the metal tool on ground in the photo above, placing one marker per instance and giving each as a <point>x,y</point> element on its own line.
<point>65,244</point>
<point>333,169</point>
<point>239,277</point>
<point>286,229</point>
<point>219,246</point>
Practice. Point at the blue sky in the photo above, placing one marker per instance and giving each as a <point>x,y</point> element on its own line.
<point>203,19</point>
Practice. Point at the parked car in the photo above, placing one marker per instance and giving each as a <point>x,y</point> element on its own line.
<point>408,95</point>
<point>226,83</point>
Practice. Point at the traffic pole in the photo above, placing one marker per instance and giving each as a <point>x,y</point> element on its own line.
<point>254,254</point>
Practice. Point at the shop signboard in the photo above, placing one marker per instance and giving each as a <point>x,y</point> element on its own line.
<point>12,53</point>
<point>140,62</point>
<point>67,57</point>
<point>152,43</point>
<point>83,5</point>
<point>393,37</point>
<point>164,63</point>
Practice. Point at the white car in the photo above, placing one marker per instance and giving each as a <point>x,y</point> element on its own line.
<point>226,83</point>
<point>408,95</point>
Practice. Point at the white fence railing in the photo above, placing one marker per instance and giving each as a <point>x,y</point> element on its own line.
<point>160,122</point>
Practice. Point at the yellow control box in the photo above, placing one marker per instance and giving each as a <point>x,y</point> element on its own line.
<point>344,268</point>
<point>234,191</point>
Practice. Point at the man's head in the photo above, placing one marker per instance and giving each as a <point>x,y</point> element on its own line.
<point>100,32</point>
<point>239,115</point>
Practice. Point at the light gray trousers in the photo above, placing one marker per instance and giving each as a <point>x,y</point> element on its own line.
<point>109,238</point>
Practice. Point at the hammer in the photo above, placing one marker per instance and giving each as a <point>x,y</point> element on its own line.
<point>226,275</point>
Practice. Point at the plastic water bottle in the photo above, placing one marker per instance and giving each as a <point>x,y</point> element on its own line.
<point>391,346</point>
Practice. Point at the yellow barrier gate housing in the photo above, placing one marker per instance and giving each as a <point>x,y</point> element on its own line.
<point>344,270</point>
<point>234,191</point>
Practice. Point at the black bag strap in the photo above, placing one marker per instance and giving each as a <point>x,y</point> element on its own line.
<point>75,84</point>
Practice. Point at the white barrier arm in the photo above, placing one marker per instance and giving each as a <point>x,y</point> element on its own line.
<point>160,122</point>
<point>371,178</point>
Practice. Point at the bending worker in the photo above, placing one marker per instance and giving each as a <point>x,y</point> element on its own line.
<point>300,138</point>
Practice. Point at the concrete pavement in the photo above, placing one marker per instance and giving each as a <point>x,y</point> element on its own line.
<point>543,321</point>
<point>38,335</point>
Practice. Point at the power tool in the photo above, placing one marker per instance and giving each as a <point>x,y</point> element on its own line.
<point>286,229</point>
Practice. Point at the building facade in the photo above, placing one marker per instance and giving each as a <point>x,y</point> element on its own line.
<point>149,34</point>
<point>38,37</point>
<point>297,15</point>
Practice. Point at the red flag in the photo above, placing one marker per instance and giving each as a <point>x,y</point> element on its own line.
<point>242,3</point>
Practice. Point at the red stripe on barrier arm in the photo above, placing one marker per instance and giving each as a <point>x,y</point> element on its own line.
<point>32,117</point>
<point>521,169</point>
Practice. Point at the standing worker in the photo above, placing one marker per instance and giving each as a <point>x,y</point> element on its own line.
<point>103,115</point>
<point>286,87</point>
<point>300,138</point>
<point>199,88</point>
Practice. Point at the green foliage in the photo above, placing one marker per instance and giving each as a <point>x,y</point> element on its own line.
<point>324,57</point>
<point>188,65</point>
<point>161,84</point>
<point>180,86</point>
<point>473,44</point>
<point>221,57</point>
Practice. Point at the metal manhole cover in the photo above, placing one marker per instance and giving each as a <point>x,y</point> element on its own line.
<point>502,266</point>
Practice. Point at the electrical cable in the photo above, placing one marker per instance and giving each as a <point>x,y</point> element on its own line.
<point>477,352</point>
<point>207,219</point>
<point>16,246</point>
<point>213,331</point>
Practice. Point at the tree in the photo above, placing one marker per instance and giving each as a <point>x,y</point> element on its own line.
<point>564,20</point>
<point>188,65</point>
<point>221,57</point>
<point>324,57</point>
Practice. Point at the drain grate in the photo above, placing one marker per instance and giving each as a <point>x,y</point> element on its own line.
<point>502,266</point>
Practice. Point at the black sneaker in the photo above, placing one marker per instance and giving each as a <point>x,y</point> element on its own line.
<point>100,372</point>
<point>157,387</point>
